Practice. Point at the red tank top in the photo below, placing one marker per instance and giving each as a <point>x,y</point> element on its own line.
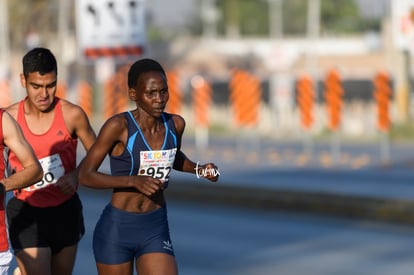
<point>56,151</point>
<point>4,243</point>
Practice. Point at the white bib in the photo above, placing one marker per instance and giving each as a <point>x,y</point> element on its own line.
<point>52,170</point>
<point>157,164</point>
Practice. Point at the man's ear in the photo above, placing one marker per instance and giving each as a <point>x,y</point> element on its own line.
<point>22,80</point>
<point>132,94</point>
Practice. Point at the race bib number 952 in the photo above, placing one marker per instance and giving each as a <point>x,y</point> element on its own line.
<point>157,164</point>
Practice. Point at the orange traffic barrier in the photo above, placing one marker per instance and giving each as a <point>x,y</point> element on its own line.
<point>85,97</point>
<point>333,98</point>
<point>116,93</point>
<point>382,95</point>
<point>61,89</point>
<point>175,97</point>
<point>305,99</point>
<point>201,101</point>
<point>5,99</point>
<point>245,97</point>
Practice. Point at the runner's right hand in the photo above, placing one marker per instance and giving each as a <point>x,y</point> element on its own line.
<point>148,185</point>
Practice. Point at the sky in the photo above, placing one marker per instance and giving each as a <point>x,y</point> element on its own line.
<point>172,13</point>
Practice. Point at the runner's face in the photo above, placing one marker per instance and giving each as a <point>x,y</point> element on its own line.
<point>41,89</point>
<point>152,93</point>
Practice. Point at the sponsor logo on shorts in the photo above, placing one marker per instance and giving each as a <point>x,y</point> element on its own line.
<point>167,245</point>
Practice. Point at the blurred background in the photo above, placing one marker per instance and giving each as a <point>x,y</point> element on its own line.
<point>305,105</point>
<point>276,43</point>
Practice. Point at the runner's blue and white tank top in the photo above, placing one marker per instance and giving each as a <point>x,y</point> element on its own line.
<point>139,158</point>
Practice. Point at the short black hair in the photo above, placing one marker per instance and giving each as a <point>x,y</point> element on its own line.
<point>39,60</point>
<point>142,66</point>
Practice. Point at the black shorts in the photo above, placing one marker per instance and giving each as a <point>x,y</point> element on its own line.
<point>55,227</point>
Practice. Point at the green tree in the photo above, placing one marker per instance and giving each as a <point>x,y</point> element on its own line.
<point>294,17</point>
<point>251,18</point>
<point>340,17</point>
<point>243,17</point>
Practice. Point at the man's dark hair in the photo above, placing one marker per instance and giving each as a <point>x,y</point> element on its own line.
<point>39,60</point>
<point>140,67</point>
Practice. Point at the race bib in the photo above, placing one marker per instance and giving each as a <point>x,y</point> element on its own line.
<point>157,164</point>
<point>52,170</point>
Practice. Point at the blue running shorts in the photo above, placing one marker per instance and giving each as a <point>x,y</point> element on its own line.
<point>121,236</point>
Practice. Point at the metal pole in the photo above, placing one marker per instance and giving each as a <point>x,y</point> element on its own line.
<point>275,18</point>
<point>308,145</point>
<point>201,138</point>
<point>4,40</point>
<point>232,24</point>
<point>335,147</point>
<point>209,17</point>
<point>313,29</point>
<point>62,35</point>
<point>385,148</point>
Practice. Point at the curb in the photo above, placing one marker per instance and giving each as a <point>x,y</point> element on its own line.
<point>361,207</point>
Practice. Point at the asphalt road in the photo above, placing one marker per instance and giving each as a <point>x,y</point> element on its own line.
<point>223,240</point>
<point>260,217</point>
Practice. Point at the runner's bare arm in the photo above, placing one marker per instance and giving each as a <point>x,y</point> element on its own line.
<point>78,123</point>
<point>184,164</point>
<point>15,141</point>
